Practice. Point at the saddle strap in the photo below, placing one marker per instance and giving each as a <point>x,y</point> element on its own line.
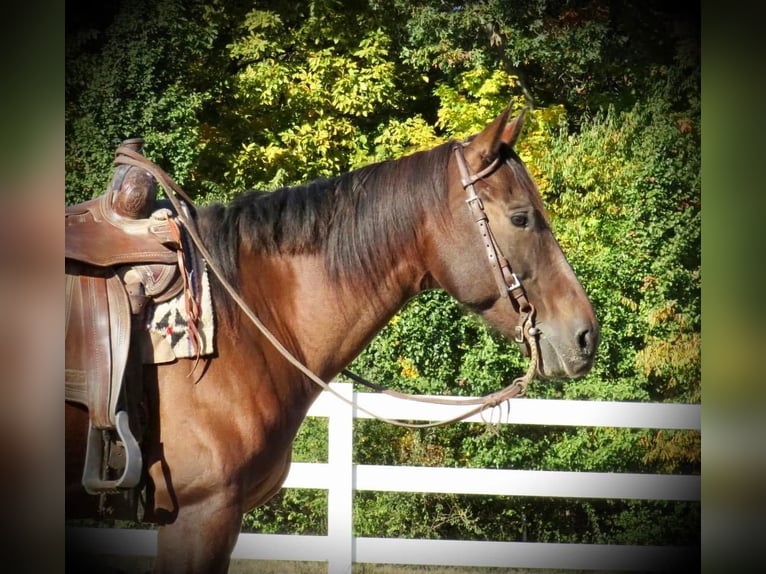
<point>120,325</point>
<point>106,335</point>
<point>95,318</point>
<point>75,383</point>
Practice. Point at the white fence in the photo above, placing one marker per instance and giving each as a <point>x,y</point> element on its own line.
<point>341,477</point>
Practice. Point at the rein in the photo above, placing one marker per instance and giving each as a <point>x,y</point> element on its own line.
<point>500,266</point>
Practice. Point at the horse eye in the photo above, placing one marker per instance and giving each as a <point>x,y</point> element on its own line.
<point>519,220</point>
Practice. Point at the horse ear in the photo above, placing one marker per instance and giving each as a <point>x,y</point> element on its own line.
<point>500,132</point>
<point>513,129</point>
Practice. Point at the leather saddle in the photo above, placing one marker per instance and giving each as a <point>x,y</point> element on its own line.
<point>123,250</point>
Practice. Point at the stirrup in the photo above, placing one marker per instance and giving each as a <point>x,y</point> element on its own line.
<point>92,480</point>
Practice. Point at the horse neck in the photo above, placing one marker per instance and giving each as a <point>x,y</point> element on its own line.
<point>323,322</point>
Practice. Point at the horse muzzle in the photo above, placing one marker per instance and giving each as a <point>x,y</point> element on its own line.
<point>569,356</point>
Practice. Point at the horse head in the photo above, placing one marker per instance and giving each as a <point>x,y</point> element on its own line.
<point>487,180</point>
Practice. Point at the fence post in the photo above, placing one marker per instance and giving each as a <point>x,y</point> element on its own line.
<point>340,496</point>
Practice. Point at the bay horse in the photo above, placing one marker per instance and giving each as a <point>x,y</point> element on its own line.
<point>324,266</point>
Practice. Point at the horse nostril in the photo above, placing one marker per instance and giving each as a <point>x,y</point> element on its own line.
<point>586,341</point>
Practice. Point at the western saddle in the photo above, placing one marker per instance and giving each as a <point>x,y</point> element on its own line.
<point>124,250</point>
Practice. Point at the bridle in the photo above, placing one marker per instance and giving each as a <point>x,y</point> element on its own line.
<point>509,286</point>
<point>500,266</point>
<point>508,283</point>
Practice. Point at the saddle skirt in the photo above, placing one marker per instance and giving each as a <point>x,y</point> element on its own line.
<point>166,334</point>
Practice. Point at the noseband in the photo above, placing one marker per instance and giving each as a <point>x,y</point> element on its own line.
<point>508,283</point>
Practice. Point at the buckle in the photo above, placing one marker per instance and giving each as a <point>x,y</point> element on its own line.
<point>516,282</point>
<point>473,198</point>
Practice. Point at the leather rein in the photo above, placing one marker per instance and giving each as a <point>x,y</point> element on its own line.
<point>508,283</point>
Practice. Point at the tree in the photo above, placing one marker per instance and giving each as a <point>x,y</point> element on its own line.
<point>146,69</point>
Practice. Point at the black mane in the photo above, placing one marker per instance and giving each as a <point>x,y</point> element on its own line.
<point>361,222</point>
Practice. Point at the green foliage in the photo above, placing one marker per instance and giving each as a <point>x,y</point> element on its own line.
<point>291,511</point>
<point>119,84</point>
<point>476,95</point>
<point>397,138</point>
<point>585,54</point>
<point>414,516</point>
<point>625,194</point>
<point>296,510</point>
<point>307,88</point>
<point>232,95</point>
<point>433,347</point>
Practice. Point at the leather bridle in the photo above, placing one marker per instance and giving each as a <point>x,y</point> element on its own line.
<point>508,283</point>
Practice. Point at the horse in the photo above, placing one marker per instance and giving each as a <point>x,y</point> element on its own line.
<point>324,266</point>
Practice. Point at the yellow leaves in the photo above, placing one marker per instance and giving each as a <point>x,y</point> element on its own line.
<point>373,48</point>
<point>550,118</point>
<point>666,313</point>
<point>674,356</point>
<point>301,93</point>
<point>401,137</point>
<point>409,370</point>
<point>629,303</point>
<point>677,352</point>
<point>671,449</point>
<point>534,147</point>
<point>675,362</point>
<point>261,25</point>
<point>478,96</point>
<point>262,20</point>
<point>273,154</point>
<point>415,451</point>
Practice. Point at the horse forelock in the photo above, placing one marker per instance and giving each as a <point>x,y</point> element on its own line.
<point>363,223</point>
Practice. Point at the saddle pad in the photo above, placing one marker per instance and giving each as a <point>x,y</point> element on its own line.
<point>166,334</point>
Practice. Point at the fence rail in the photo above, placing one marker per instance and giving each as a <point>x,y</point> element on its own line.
<point>341,477</point>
